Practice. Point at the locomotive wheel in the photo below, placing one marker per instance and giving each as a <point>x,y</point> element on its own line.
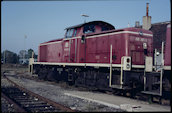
<point>64,76</point>
<point>80,80</point>
<point>77,82</point>
<point>42,74</point>
<point>135,87</point>
<point>52,75</point>
<point>71,83</point>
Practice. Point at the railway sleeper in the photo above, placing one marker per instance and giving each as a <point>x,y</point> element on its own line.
<point>45,110</point>
<point>35,105</point>
<point>22,99</point>
<point>41,109</point>
<point>31,102</point>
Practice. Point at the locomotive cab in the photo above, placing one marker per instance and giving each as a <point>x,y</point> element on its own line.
<point>88,28</point>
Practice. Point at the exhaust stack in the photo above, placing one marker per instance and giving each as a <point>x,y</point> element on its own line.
<point>147,19</point>
<point>147,9</point>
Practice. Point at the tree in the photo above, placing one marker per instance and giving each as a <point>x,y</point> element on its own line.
<point>29,53</point>
<point>35,56</point>
<point>15,58</point>
<point>10,57</point>
<point>22,54</point>
<point>2,56</point>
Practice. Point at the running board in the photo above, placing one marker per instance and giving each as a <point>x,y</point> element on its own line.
<point>116,86</point>
<point>153,83</point>
<point>151,93</point>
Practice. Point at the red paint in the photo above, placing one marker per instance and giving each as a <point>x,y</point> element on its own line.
<point>97,49</point>
<point>167,59</point>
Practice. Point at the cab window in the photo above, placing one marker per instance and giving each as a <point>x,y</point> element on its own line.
<point>89,29</point>
<point>75,32</point>
<point>69,33</point>
<point>105,28</point>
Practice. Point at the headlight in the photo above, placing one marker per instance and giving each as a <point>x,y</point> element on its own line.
<point>144,46</point>
<point>128,66</point>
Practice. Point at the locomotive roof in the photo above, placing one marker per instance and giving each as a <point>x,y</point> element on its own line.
<point>102,22</point>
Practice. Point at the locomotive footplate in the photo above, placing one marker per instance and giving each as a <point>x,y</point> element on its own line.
<point>153,84</point>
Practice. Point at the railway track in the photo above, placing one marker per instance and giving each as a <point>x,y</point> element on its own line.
<point>27,101</point>
<point>139,96</point>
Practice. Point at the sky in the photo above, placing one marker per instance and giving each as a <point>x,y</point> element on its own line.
<point>26,24</point>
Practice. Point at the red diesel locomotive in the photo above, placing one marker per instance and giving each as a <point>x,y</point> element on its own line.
<point>96,55</point>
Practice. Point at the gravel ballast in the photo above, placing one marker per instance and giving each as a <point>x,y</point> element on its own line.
<point>5,105</point>
<point>57,94</point>
<point>84,100</point>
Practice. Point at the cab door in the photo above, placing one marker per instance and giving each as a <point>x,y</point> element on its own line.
<point>82,49</point>
<point>70,46</point>
<point>66,50</point>
<point>73,50</point>
<point>83,46</point>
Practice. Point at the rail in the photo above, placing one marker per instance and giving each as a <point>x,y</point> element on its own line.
<point>31,102</point>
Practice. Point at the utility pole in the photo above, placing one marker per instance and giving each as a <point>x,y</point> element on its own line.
<point>24,48</point>
<point>4,58</point>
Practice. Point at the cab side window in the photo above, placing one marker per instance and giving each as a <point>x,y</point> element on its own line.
<point>89,28</point>
<point>105,28</point>
<point>75,32</point>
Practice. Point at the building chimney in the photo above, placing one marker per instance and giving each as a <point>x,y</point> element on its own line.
<point>147,19</point>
